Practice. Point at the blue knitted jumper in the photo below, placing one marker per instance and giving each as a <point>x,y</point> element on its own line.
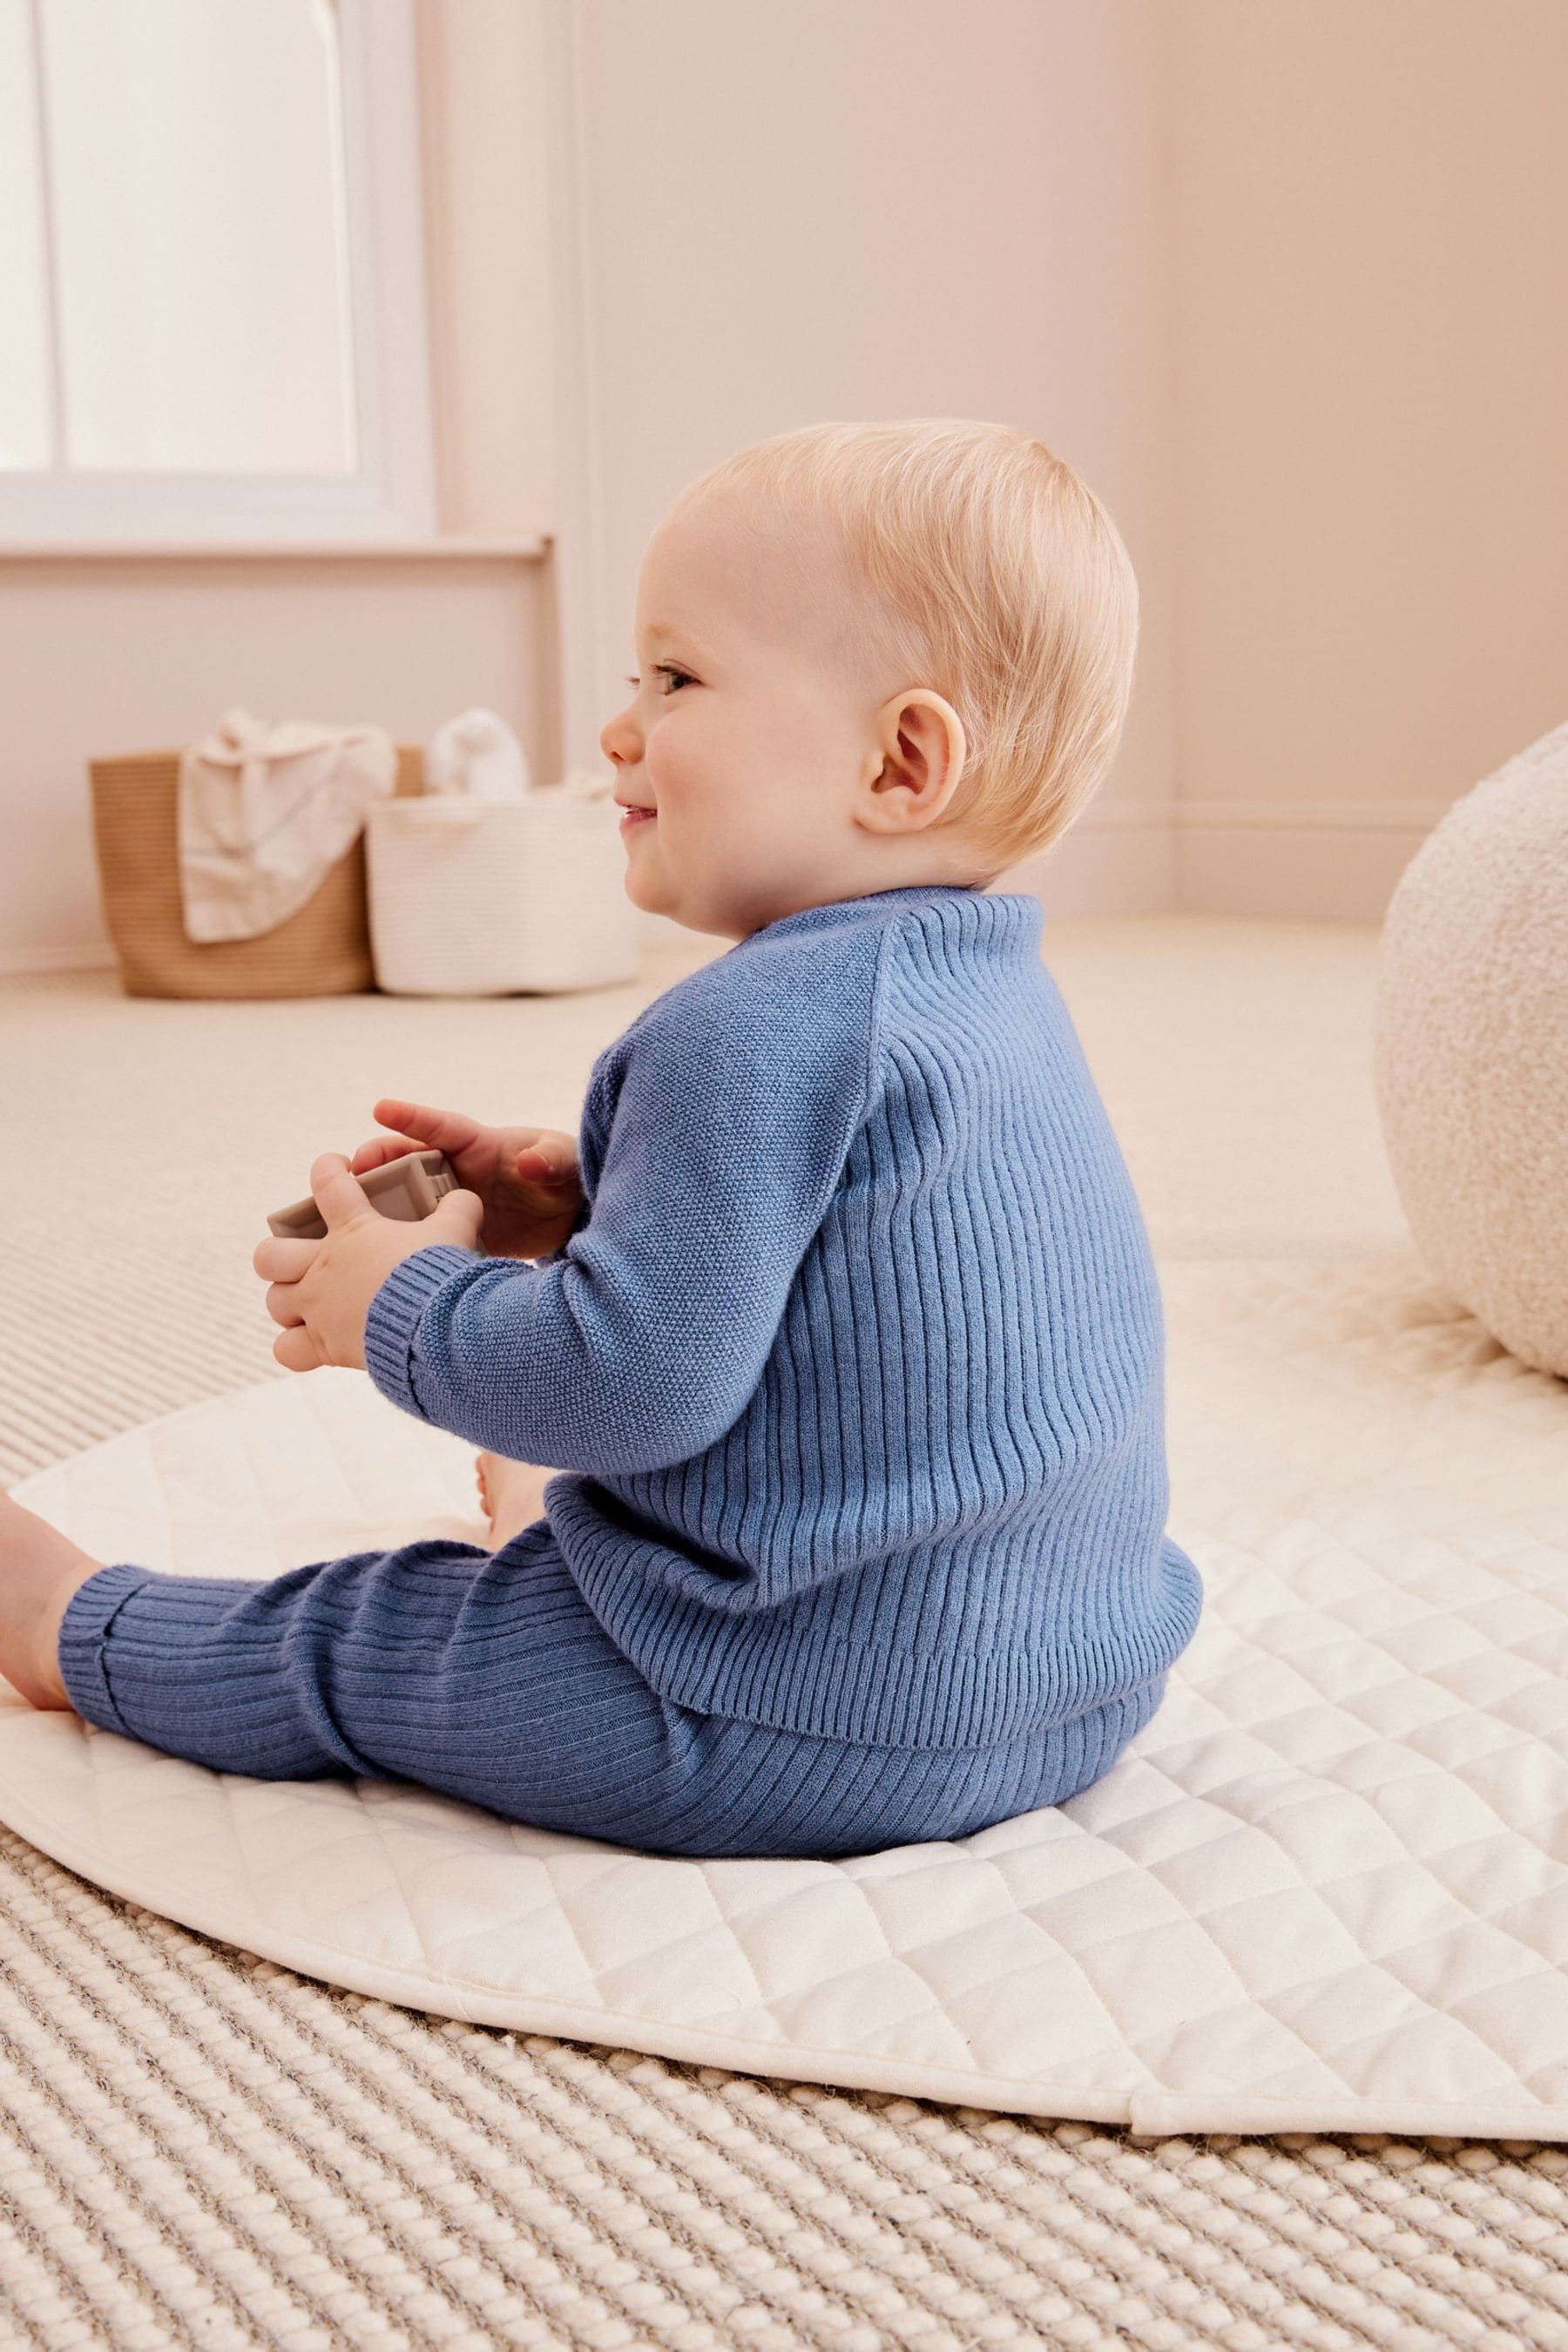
<point>854,1363</point>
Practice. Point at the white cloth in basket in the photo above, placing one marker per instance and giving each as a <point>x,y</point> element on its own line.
<point>478,755</point>
<point>266,811</point>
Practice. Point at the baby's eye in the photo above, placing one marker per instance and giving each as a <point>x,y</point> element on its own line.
<point>665,669</point>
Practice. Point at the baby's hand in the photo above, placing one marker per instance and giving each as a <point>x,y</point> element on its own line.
<point>526,1178</point>
<point>321,1290</point>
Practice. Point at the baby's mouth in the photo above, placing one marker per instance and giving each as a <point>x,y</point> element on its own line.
<point>633,815</point>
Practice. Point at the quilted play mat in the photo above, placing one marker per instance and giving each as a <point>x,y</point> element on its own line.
<point>1325,1890</point>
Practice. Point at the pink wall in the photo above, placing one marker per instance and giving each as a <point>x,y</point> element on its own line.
<point>1371,386</point>
<point>900,208</point>
<point>1285,282</point>
<point>490,179</point>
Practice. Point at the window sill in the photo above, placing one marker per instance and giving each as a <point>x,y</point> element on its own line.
<point>439,550</point>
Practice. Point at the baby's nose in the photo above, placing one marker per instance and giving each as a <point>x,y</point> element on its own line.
<point>612,740</point>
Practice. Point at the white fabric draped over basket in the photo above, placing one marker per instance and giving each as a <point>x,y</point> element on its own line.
<point>264,813</point>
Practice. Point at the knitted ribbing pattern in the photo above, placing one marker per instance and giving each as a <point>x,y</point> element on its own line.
<point>855,1367</point>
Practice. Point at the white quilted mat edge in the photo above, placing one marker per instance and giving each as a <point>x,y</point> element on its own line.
<point>1327,1889</point>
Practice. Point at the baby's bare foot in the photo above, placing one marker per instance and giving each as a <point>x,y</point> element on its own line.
<point>39,1571</point>
<point>512,1493</point>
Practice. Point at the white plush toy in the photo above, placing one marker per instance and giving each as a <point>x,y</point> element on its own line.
<point>476,754</point>
<point>1471,1051</point>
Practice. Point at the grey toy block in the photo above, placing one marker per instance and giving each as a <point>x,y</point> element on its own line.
<point>407,1189</point>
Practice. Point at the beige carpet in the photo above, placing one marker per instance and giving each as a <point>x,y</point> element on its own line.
<point>199,2148</point>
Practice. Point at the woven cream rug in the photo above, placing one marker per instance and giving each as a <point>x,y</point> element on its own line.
<point>198,2147</point>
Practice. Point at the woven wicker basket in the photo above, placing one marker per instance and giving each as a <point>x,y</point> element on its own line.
<point>323,948</point>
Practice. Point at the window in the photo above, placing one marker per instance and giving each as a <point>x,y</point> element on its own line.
<point>211,271</point>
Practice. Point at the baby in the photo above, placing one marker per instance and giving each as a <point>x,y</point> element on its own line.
<point>821,1383</point>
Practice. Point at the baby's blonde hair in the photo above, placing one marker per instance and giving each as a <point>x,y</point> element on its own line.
<point>997,579</point>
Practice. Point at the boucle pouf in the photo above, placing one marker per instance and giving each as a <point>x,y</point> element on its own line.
<point>1471,1051</point>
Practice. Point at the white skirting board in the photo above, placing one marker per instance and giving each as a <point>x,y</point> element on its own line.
<point>1305,862</point>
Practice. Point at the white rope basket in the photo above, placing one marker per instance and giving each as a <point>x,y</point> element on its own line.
<point>473,898</point>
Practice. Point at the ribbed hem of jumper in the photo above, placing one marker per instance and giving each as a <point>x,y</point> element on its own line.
<point>741,1667</point>
<point>84,1629</point>
<point>395,1317</point>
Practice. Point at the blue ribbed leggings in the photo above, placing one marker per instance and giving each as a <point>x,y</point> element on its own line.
<point>485,1676</point>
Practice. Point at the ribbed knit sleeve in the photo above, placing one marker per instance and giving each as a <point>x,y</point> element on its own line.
<point>714,1135</point>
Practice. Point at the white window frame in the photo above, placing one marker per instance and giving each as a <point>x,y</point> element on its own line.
<point>392,497</point>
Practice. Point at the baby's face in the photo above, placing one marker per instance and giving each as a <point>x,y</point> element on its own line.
<point>753,724</point>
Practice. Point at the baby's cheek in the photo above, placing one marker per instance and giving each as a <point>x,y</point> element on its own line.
<point>663,768</point>
<point>684,777</point>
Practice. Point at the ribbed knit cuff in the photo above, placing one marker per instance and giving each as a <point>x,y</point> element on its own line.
<point>84,1629</point>
<point>395,1315</point>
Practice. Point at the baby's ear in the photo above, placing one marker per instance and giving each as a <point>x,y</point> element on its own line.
<point>923,754</point>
